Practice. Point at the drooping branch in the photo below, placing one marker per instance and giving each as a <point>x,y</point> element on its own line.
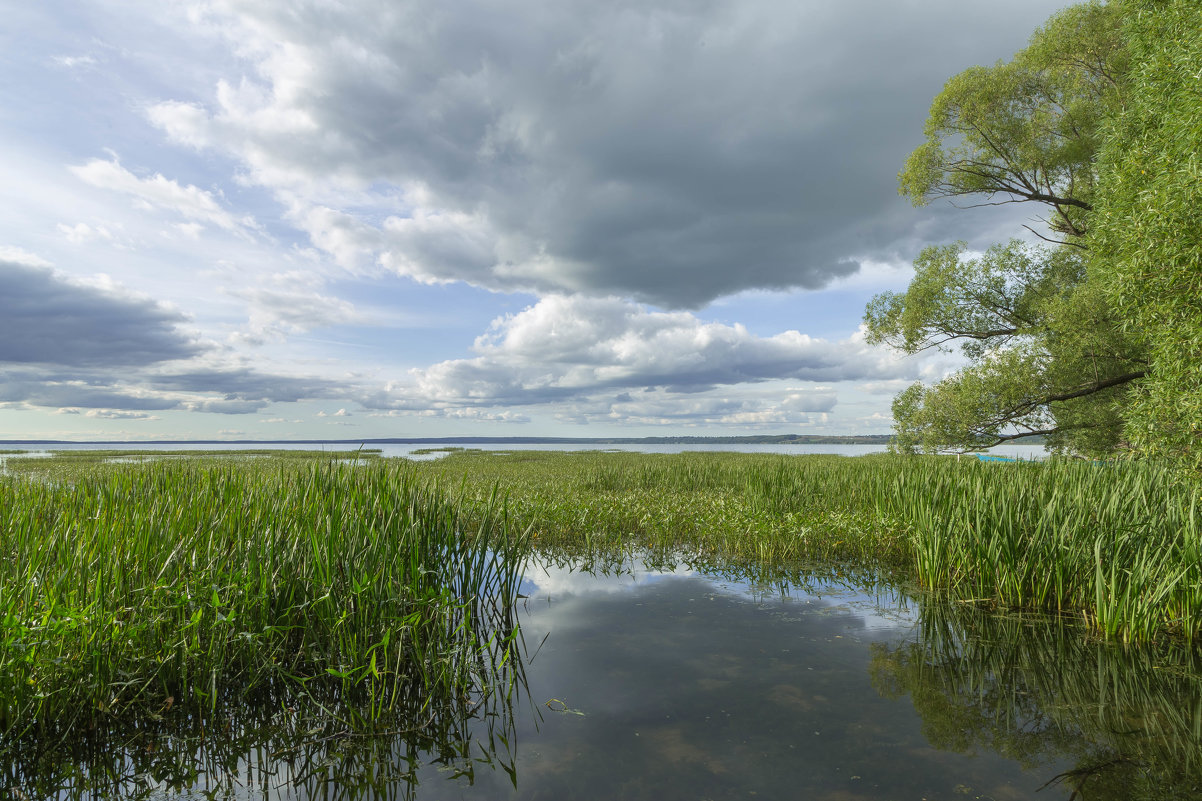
<point>1071,243</point>
<point>1023,190</point>
<point>1030,405</point>
<point>1107,383</point>
<point>1001,439</point>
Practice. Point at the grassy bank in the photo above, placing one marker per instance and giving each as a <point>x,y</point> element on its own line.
<point>185,584</point>
<point>1117,545</point>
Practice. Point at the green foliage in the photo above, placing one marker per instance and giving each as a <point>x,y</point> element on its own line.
<point>971,408</point>
<point>983,303</point>
<point>1042,342</point>
<point>1127,719</point>
<point>1118,545</point>
<point>1027,129</point>
<point>187,584</point>
<point>1148,235</point>
<point>187,587</point>
<point>1048,353</point>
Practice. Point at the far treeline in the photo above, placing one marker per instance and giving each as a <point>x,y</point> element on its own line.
<point>1092,337</point>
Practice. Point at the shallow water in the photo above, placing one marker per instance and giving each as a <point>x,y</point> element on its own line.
<point>682,686</point>
<point>651,683</point>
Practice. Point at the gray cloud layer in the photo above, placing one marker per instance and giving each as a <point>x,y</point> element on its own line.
<point>72,346</point>
<point>46,320</point>
<point>671,152</point>
<point>228,391</point>
<point>76,347</point>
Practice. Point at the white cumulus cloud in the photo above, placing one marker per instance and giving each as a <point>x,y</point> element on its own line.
<point>565,346</point>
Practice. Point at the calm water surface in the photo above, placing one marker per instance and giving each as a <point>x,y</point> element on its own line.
<point>681,686</point>
<point>667,683</point>
<point>407,450</point>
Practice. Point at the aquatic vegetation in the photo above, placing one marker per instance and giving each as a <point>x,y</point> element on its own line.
<point>255,743</point>
<point>1117,544</point>
<point>362,609</point>
<point>746,508</point>
<point>126,584</point>
<point>144,591</point>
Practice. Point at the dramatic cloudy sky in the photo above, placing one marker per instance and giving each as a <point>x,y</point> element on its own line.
<point>362,218</point>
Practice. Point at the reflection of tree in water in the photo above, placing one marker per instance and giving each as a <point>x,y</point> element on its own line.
<point>1039,692</point>
<point>319,744</point>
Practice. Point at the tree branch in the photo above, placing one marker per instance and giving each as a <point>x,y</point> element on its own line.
<point>1056,241</point>
<point>1097,387</point>
<point>1002,438</point>
<point>1008,416</point>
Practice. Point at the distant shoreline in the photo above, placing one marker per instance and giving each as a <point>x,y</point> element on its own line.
<point>768,439</point>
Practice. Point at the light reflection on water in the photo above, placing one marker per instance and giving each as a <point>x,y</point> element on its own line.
<point>436,451</point>
<point>678,685</point>
<point>654,679</point>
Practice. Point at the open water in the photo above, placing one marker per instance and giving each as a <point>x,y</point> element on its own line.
<point>666,681</point>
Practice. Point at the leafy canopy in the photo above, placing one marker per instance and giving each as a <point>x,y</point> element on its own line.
<point>1046,357</point>
<point>1027,129</point>
<point>1147,240</point>
<point>1046,352</point>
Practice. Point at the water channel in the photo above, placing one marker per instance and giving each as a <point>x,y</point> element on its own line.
<point>663,682</point>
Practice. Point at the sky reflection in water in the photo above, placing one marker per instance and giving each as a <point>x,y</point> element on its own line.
<point>656,682</point>
<point>677,685</point>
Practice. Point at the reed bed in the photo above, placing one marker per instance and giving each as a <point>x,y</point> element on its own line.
<point>160,589</point>
<point>124,585</point>
<point>260,742</point>
<point>1115,544</point>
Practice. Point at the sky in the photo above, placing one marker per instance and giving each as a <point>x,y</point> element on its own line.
<point>341,219</point>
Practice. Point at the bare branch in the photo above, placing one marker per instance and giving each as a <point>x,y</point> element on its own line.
<point>1054,241</point>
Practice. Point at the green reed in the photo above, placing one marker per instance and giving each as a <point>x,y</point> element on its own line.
<point>1117,544</point>
<point>145,588</point>
<point>258,742</point>
<point>125,584</point>
<point>725,506</point>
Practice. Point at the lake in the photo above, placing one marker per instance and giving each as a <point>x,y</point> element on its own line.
<point>407,449</point>
<point>655,681</point>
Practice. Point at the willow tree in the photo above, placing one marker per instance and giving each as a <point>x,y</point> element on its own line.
<point>1148,242</point>
<point>1046,355</point>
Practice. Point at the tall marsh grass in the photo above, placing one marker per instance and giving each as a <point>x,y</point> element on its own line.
<point>1119,543</point>
<point>166,586</point>
<point>152,585</point>
<point>1115,544</point>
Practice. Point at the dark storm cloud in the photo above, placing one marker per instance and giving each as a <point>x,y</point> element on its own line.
<point>70,346</point>
<point>669,152</point>
<point>35,388</point>
<point>46,320</point>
